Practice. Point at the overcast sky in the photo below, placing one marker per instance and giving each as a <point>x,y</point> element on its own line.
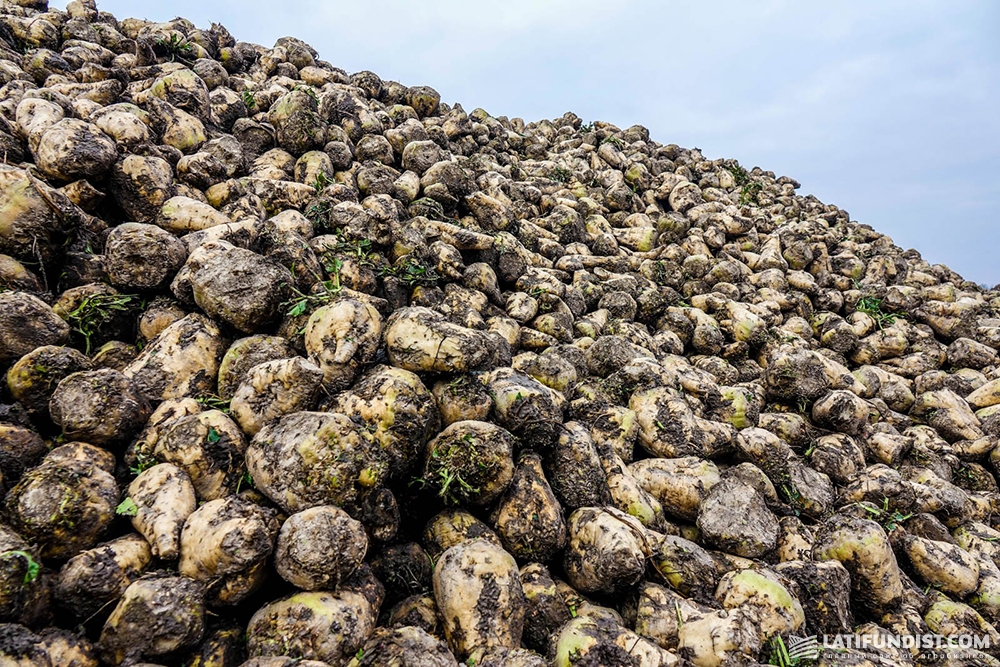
<point>890,110</point>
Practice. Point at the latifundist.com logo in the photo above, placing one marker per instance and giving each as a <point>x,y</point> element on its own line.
<point>804,651</point>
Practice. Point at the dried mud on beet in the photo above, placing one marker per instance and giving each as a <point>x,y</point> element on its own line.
<point>304,367</point>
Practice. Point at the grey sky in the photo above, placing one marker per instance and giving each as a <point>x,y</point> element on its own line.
<point>890,110</point>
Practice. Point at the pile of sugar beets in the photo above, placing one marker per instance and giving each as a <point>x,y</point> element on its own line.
<point>309,368</point>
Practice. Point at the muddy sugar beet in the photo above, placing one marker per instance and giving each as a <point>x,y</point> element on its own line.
<point>309,367</point>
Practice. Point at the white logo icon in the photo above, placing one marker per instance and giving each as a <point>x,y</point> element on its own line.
<point>803,648</point>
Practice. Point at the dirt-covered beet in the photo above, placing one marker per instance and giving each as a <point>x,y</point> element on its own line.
<point>604,552</point>
<point>22,592</point>
<point>273,389</point>
<point>156,615</point>
<point>96,577</point>
<point>36,375</point>
<point>27,323</point>
<point>305,366</point>
<point>479,595</point>
<point>308,459</point>
<point>142,256</point>
<point>401,409</point>
<point>405,646</point>
<point>64,505</point>
<point>469,462</point>
<point>208,446</point>
<point>164,498</point>
<point>241,288</point>
<point>101,407</point>
<point>224,537</point>
<point>320,547</point>
<point>319,625</point>
<point>244,354</point>
<point>528,518</point>
<point>183,360</point>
